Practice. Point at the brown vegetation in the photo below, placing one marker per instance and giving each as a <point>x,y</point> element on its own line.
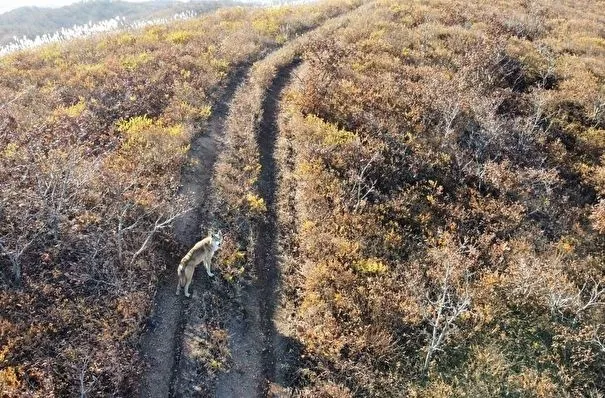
<point>443,161</point>
<point>93,135</point>
<point>441,203</point>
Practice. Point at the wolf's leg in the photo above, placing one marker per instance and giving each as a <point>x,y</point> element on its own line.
<point>179,279</point>
<point>188,278</point>
<point>207,265</point>
<point>187,288</point>
<point>179,283</point>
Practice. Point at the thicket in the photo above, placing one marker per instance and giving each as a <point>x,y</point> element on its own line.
<point>93,137</point>
<point>444,164</point>
<point>442,195</point>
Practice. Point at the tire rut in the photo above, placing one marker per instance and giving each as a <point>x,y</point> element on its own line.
<point>162,338</point>
<point>266,253</point>
<point>259,353</point>
<point>264,360</point>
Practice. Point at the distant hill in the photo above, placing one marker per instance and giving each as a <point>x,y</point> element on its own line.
<point>34,21</point>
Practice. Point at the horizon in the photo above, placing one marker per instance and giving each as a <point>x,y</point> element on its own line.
<point>6,6</point>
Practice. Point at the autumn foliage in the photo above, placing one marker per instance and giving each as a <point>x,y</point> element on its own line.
<point>441,202</point>
<point>93,137</point>
<point>443,161</point>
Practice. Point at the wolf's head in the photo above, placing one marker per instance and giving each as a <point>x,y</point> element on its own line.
<point>217,238</point>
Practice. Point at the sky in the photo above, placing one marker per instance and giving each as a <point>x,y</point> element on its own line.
<point>7,5</point>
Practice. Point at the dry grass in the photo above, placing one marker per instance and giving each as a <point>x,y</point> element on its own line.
<point>440,202</point>
<point>93,136</point>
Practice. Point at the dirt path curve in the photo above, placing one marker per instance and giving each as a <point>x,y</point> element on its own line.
<point>260,355</point>
<point>161,341</point>
<point>264,362</point>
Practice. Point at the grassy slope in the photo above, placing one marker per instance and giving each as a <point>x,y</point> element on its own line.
<point>449,155</point>
<point>93,135</point>
<point>481,127</point>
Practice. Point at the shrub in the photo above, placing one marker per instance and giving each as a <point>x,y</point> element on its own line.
<point>449,164</point>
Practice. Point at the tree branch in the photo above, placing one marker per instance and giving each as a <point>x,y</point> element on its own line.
<point>157,226</point>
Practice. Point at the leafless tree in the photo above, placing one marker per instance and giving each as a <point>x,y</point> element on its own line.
<point>596,296</point>
<point>585,298</point>
<point>60,187</point>
<point>158,225</point>
<point>362,188</point>
<point>448,308</point>
<point>14,255</point>
<point>122,230</point>
<point>81,372</point>
<point>598,340</point>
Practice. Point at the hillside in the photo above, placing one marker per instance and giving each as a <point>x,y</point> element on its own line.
<point>412,196</point>
<point>37,21</point>
<point>94,135</point>
<point>447,161</point>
